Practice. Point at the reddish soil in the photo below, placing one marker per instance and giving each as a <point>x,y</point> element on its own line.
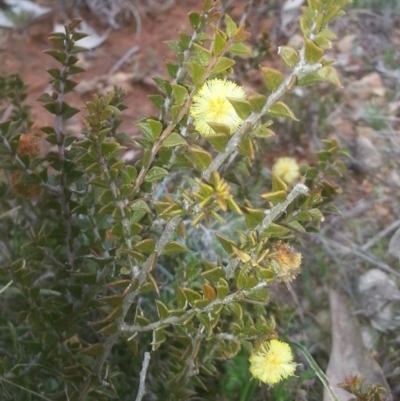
<point>23,54</point>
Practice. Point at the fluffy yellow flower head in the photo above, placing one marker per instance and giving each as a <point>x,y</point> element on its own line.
<point>210,105</point>
<point>272,362</point>
<point>287,169</point>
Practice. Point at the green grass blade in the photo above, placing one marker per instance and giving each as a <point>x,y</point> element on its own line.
<point>314,366</point>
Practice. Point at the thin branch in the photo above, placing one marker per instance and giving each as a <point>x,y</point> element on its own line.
<point>371,242</point>
<point>122,61</point>
<point>369,258</point>
<point>7,112</point>
<point>190,361</point>
<point>143,374</point>
<point>173,320</point>
<point>277,210</point>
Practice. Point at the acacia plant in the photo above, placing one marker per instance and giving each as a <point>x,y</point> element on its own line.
<point>102,297</point>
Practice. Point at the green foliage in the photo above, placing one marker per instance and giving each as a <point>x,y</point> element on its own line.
<point>99,251</point>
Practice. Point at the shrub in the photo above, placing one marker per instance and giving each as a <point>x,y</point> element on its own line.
<point>104,298</point>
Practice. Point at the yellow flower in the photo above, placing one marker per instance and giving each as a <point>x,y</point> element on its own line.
<point>210,105</point>
<point>287,169</point>
<point>272,362</point>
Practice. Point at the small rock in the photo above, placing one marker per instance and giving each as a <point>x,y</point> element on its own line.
<point>346,44</point>
<point>368,86</point>
<point>367,154</point>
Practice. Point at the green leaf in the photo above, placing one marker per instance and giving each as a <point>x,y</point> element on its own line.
<point>203,55</point>
<point>222,289</point>
<point>140,205</point>
<point>58,55</point>
<point>240,49</point>
<point>223,64</point>
<point>242,107</point>
<point>219,42</point>
<point>243,256</point>
<point>280,109</point>
<point>191,295</point>
<point>146,246</point>
<point>173,140</point>
<point>200,157</point>
<point>214,275</point>
<point>323,42</point>
<point>246,148</point>
<point>110,149</point>
<point>220,128</point>
<point>295,225</point>
<point>257,102</point>
<point>174,247</point>
<point>329,73</point>
<point>180,94</point>
<point>205,321</point>
<point>131,172</point>
<point>69,112</point>
<point>156,128</point>
<point>309,79</point>
<point>316,214</point>
<point>162,310</point>
<point>275,197</point>
<point>198,72</point>
<point>155,174</point>
<point>231,27</point>
<point>273,78</point>
<point>253,217</point>
<point>259,295</point>
<point>241,279</point>
<point>237,310</point>
<point>218,141</point>
<point>194,19</point>
<point>157,100</point>
<point>278,184</point>
<point>288,55</point>
<point>313,52</point>
<point>226,243</point>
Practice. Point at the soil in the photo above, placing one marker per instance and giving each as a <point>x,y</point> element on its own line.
<point>21,51</point>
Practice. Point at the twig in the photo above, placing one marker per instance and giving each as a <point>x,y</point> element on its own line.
<point>172,320</point>
<point>6,286</point>
<point>380,235</point>
<point>143,374</point>
<point>6,113</point>
<point>190,361</point>
<point>11,211</point>
<point>122,60</point>
<point>385,267</point>
<point>278,209</point>
<point>248,7</point>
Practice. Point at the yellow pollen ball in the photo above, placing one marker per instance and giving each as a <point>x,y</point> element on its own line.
<point>211,105</point>
<point>272,362</point>
<point>287,169</point>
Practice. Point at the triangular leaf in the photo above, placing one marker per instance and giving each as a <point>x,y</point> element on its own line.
<point>280,109</point>
<point>273,78</point>
<point>174,247</point>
